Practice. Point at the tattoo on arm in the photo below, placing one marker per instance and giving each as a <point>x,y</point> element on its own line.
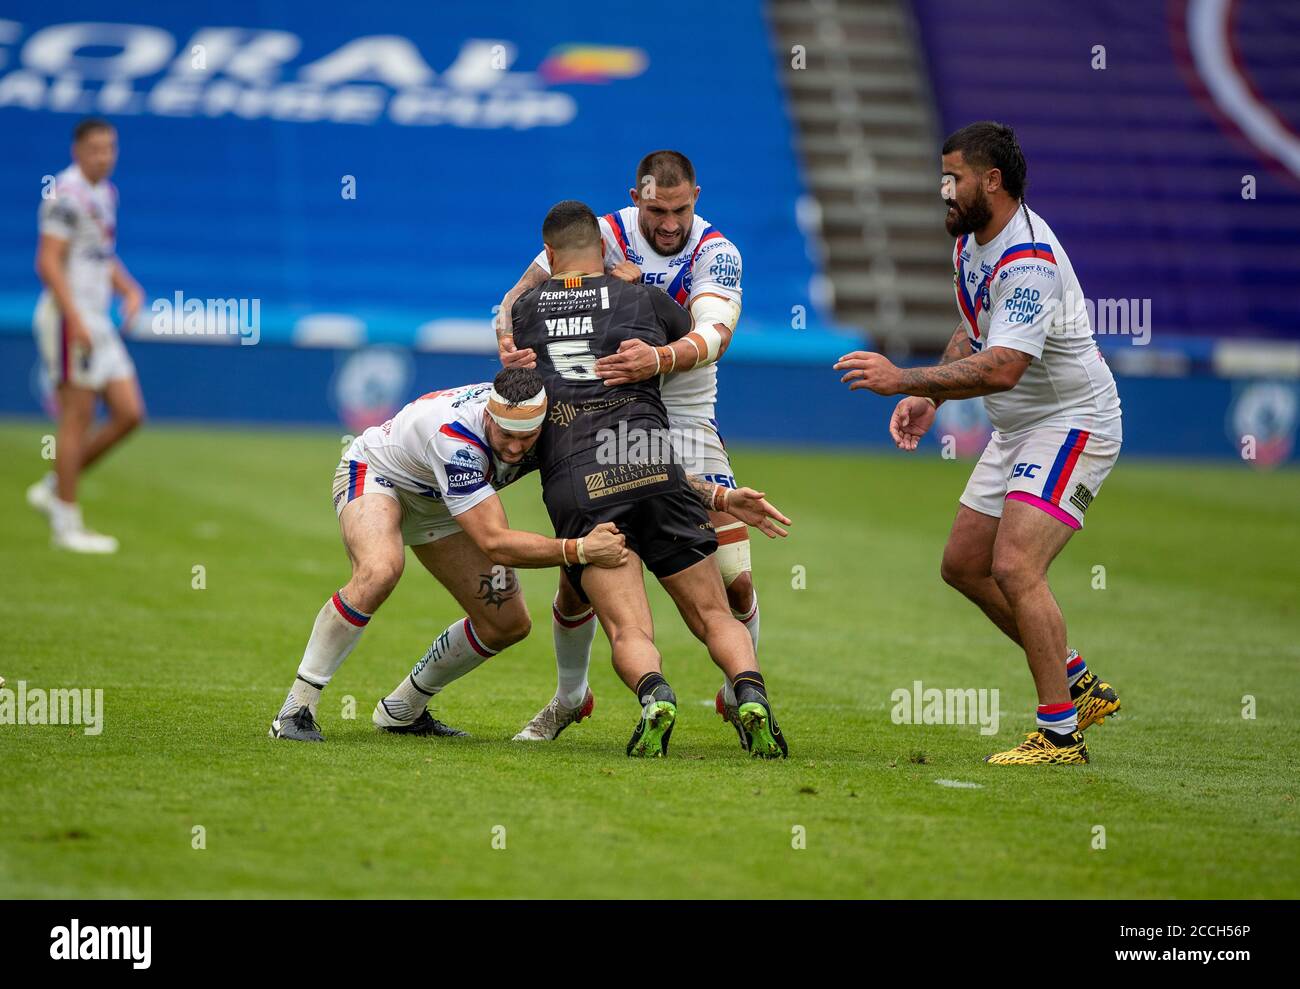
<point>958,347</point>
<point>532,277</point>
<point>497,586</point>
<point>966,377</point>
<point>703,489</point>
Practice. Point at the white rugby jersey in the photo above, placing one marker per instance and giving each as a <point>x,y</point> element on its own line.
<point>437,447</point>
<point>1021,292</point>
<point>85,216</point>
<point>707,263</point>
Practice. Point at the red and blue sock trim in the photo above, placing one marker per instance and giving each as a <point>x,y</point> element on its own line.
<point>474,642</point>
<point>1059,717</point>
<point>349,613</point>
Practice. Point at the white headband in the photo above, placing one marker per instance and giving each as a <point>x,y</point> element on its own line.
<point>518,417</point>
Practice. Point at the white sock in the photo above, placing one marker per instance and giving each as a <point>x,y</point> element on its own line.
<point>573,635</point>
<point>453,654</point>
<point>750,621</point>
<point>337,629</point>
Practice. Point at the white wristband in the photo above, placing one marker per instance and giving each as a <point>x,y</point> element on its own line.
<point>582,553</point>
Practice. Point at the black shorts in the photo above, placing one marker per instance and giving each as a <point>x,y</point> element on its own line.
<point>655,509</point>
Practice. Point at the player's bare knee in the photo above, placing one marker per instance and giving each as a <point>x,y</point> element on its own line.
<point>629,637</point>
<point>954,573</point>
<point>503,631</point>
<point>1014,574</point>
<point>376,575</point>
<point>128,420</point>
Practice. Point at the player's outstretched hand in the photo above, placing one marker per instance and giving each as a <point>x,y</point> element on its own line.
<point>753,508</point>
<point>604,546</point>
<point>873,371</point>
<point>912,417</point>
<point>634,361</point>
<point>512,357</point>
<point>625,271</point>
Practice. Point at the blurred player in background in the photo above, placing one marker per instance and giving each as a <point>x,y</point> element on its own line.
<point>658,240</point>
<point>428,478</point>
<point>1026,345</point>
<point>82,351</point>
<point>570,322</point>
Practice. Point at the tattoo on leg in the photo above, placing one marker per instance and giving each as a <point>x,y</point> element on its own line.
<point>498,586</point>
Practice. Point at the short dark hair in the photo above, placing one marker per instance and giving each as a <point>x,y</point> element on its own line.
<point>987,145</point>
<point>88,125</point>
<point>669,168</point>
<point>517,384</point>
<point>570,225</point>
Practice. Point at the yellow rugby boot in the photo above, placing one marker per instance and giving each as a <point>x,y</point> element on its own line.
<point>1094,699</point>
<point>1044,748</point>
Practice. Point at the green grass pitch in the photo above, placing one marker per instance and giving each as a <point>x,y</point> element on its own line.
<point>1199,609</point>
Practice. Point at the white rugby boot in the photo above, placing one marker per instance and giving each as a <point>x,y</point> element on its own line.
<point>554,718</point>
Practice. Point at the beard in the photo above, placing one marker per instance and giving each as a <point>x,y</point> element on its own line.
<point>975,217</point>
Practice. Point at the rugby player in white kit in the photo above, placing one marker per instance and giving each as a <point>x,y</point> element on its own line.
<point>83,354</point>
<point>428,478</point>
<point>1025,344</point>
<point>658,240</point>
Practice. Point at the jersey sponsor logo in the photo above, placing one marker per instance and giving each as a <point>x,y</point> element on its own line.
<point>1045,270</point>
<point>725,270</point>
<point>571,326</point>
<point>633,256</point>
<point>462,480</point>
<point>467,394</point>
<point>563,413</point>
<point>653,277</point>
<point>466,456</point>
<point>1081,498</point>
<point>1023,305</point>
<point>552,301</point>
<point>1026,470</point>
<point>621,478</point>
<point>381,481</point>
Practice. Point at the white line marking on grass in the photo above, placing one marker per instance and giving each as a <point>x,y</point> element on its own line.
<point>960,784</point>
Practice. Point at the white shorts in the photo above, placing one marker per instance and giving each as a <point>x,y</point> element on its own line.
<point>700,450</point>
<point>425,519</point>
<point>1056,469</point>
<point>106,361</point>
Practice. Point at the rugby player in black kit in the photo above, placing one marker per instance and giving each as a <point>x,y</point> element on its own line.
<point>605,456</point>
